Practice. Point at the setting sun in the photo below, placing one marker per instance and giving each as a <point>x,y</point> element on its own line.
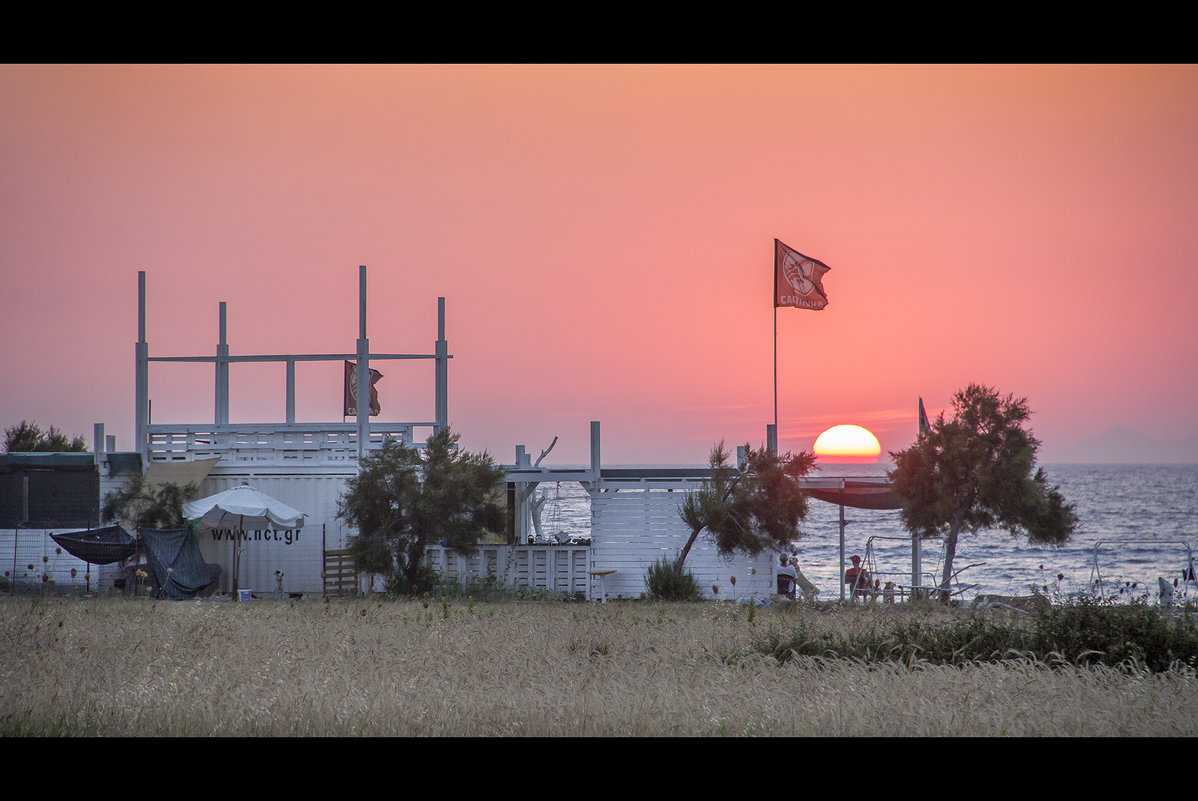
<point>847,443</point>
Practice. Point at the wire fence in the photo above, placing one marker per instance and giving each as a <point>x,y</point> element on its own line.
<point>34,563</point>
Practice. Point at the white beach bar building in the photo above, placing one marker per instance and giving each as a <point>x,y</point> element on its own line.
<point>634,512</point>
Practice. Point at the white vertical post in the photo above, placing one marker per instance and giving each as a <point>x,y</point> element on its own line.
<point>363,402</point>
<point>222,372</point>
<point>290,391</point>
<point>596,462</point>
<point>141,411</point>
<point>916,567</point>
<point>840,578</point>
<point>441,401</point>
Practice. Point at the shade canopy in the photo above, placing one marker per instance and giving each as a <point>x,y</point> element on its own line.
<point>180,473</point>
<point>243,507</point>
<point>861,493</point>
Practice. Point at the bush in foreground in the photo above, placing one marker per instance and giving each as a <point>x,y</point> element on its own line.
<point>1083,631</point>
<point>666,585</point>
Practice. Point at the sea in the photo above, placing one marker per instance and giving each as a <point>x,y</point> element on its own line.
<point>1137,525</point>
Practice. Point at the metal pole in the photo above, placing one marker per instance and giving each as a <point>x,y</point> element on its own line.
<point>841,576</point>
<point>916,566</point>
<point>441,402</point>
<point>774,305</point>
<point>363,402</point>
<point>775,360</point>
<point>141,412</point>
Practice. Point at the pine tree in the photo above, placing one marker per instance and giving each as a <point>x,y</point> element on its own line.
<point>404,500</point>
<point>975,472</point>
<point>29,437</point>
<point>749,510</point>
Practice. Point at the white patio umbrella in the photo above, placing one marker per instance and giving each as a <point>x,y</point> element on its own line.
<point>239,507</point>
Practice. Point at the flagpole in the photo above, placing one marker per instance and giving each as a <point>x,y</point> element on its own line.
<point>774,303</point>
<point>808,294</point>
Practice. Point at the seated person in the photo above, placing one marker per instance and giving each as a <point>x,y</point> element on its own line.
<point>858,579</point>
<point>787,577</point>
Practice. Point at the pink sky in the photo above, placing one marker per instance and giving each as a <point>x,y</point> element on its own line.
<point>603,236</point>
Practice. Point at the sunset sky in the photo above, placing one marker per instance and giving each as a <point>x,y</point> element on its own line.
<point>604,236</point>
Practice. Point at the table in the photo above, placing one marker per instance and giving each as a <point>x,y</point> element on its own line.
<point>602,574</point>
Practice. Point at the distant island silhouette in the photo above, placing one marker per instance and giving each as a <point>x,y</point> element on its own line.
<point>1122,445</point>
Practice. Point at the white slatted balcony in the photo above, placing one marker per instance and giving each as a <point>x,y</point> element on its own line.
<point>282,443</point>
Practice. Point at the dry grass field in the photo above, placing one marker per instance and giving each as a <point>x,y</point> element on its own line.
<point>386,668</point>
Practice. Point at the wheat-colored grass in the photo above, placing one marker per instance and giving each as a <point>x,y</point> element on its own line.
<point>154,668</point>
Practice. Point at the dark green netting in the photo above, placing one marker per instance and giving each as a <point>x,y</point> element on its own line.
<point>174,557</point>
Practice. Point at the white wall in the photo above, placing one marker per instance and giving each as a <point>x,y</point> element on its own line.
<point>298,554</point>
<point>632,527</point>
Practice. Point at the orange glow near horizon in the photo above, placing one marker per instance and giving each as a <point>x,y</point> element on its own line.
<point>847,444</point>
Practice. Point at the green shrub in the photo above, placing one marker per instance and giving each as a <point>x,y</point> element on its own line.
<point>1091,630</point>
<point>1082,631</point>
<point>665,585</point>
<point>953,643</point>
<point>424,579</point>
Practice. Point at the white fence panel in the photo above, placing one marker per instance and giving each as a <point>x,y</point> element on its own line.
<point>632,528</point>
<point>555,568</point>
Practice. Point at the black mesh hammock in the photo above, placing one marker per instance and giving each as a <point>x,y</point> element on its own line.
<point>99,546</point>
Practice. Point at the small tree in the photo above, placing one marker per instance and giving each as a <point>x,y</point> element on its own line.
<point>29,437</point>
<point>143,506</point>
<point>747,510</point>
<point>403,501</point>
<point>974,472</point>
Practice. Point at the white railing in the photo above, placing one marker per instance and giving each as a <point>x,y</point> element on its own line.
<point>287,442</point>
<point>559,569</point>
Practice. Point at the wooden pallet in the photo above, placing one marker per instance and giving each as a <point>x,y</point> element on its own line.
<point>340,574</point>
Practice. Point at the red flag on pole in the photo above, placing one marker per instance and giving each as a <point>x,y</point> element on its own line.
<point>798,279</point>
<point>351,390</point>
